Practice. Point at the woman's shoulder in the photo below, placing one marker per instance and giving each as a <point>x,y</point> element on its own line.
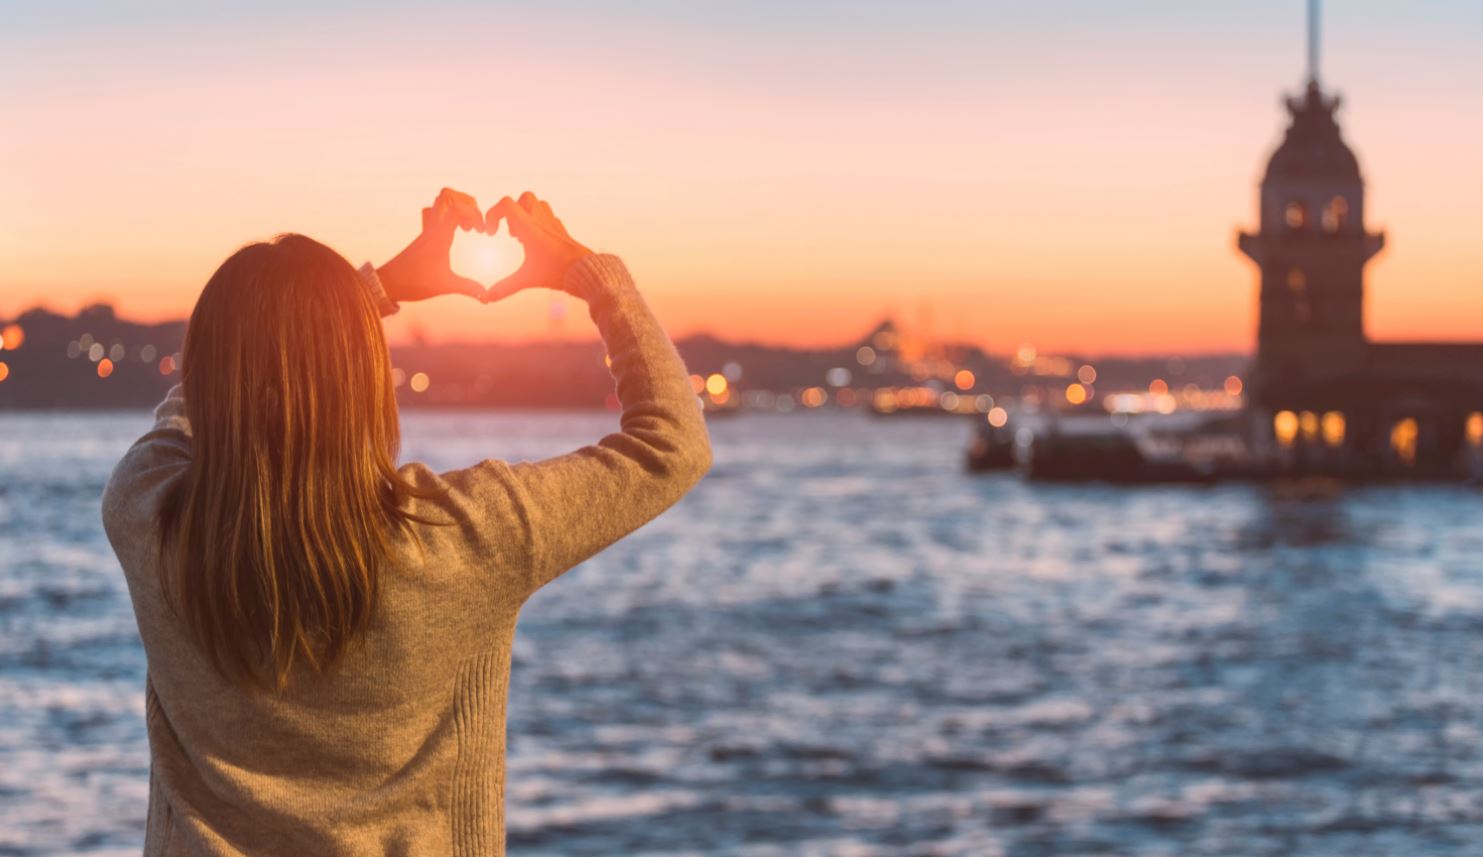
<point>485,491</point>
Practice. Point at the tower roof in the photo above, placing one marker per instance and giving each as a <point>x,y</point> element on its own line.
<point>1314,148</point>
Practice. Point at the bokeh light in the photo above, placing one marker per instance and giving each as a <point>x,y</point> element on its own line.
<point>1285,427</point>
<point>12,337</point>
<point>1333,426</point>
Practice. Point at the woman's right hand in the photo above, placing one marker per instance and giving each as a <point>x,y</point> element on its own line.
<point>549,250</point>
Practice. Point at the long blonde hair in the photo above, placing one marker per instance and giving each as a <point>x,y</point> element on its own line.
<point>273,544</point>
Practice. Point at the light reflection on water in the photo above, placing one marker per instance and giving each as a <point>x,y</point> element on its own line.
<point>840,644</point>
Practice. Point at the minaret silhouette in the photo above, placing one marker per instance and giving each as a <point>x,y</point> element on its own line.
<point>1311,251</point>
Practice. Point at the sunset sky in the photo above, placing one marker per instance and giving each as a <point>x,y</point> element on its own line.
<point>1069,173</point>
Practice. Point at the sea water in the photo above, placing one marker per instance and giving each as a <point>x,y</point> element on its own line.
<point>842,644</point>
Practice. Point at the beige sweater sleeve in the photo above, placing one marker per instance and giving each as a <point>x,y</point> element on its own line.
<point>567,508</point>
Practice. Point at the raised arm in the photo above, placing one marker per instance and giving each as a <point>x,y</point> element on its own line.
<point>581,502</point>
<point>574,505</point>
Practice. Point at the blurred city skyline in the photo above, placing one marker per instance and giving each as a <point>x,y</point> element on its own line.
<point>1070,174</point>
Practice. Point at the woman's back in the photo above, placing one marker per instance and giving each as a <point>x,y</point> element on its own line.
<point>399,749</point>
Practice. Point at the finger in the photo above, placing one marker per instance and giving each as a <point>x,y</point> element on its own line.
<point>516,282</point>
<point>466,286</point>
<point>543,209</point>
<point>516,219</point>
<point>467,214</point>
<point>453,197</point>
<point>528,201</point>
<point>461,208</point>
<point>437,219</point>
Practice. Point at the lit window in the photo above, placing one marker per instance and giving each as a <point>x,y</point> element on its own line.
<point>1308,422</point>
<point>1285,427</point>
<point>1333,428</point>
<point>1297,281</point>
<point>1335,215</point>
<point>1295,215</point>
<point>1475,429</point>
<point>1403,440</point>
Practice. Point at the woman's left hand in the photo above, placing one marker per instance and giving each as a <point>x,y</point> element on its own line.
<point>422,270</point>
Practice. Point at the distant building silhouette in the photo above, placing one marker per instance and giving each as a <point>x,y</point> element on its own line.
<point>1321,393</point>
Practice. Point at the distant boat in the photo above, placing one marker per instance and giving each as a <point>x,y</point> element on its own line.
<point>1084,449</point>
<point>1105,456</point>
<point>991,449</point>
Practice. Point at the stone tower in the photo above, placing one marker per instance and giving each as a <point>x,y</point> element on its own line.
<point>1311,252</point>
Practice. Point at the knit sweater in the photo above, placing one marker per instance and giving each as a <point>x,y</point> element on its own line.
<point>401,750</point>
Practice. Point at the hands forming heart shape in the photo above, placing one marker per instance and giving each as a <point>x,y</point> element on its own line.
<point>424,270</point>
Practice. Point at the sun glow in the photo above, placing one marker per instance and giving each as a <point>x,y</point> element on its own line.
<point>485,259</point>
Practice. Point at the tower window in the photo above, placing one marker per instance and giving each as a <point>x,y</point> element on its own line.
<point>1295,215</point>
<point>1308,423</point>
<point>1297,281</point>
<point>1336,215</point>
<point>1285,427</point>
<point>1403,437</point>
<point>1333,428</point>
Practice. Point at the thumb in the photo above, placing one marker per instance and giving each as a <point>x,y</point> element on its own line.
<point>516,282</point>
<point>465,286</point>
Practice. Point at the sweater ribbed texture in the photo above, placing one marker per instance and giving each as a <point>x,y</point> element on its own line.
<point>400,751</point>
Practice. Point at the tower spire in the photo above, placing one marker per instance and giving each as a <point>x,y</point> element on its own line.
<point>1313,41</point>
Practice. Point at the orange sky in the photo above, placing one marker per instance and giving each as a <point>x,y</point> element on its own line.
<point>1000,176</point>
